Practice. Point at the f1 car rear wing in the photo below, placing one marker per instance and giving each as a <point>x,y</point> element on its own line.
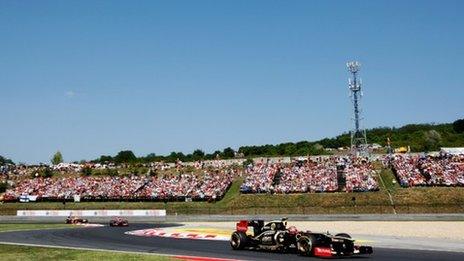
<point>242,226</point>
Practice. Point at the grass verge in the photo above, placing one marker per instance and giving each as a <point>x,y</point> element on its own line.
<point>20,227</point>
<point>14,252</point>
<point>389,180</point>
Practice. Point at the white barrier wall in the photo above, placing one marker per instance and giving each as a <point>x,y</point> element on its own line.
<point>93,213</point>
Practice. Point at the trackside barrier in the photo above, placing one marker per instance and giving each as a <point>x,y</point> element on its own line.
<point>93,213</point>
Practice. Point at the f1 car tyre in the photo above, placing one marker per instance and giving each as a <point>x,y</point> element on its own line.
<point>305,245</point>
<point>238,240</point>
<point>343,235</point>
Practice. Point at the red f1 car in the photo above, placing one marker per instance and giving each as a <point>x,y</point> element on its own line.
<point>119,222</point>
<point>275,236</point>
<point>76,220</point>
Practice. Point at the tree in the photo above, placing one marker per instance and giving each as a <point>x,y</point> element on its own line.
<point>458,126</point>
<point>105,158</point>
<point>150,157</point>
<point>125,156</point>
<point>228,153</point>
<point>317,149</point>
<point>57,158</point>
<point>432,140</point>
<point>4,161</point>
<point>175,156</point>
<point>216,154</point>
<point>198,154</point>
<point>290,149</point>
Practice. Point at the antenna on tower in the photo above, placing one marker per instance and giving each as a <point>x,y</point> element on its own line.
<point>358,135</point>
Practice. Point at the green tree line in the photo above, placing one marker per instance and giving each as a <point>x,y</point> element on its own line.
<point>4,161</point>
<point>419,137</point>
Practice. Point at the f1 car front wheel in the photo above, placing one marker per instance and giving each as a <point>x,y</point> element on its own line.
<point>238,240</point>
<point>305,245</point>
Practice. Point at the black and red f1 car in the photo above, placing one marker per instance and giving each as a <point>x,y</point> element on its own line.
<point>76,220</point>
<point>275,236</point>
<point>119,222</point>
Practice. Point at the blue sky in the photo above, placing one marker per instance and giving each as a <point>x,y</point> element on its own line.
<point>96,77</point>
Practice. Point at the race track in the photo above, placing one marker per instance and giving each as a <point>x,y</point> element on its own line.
<point>110,238</point>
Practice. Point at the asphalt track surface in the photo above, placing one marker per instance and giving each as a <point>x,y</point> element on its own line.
<point>113,238</point>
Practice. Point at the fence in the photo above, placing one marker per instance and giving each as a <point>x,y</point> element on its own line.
<point>93,213</point>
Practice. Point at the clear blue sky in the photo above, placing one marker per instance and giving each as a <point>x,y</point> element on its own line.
<point>96,77</point>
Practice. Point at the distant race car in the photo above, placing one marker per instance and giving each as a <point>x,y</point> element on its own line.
<point>119,222</point>
<point>76,220</point>
<point>275,236</point>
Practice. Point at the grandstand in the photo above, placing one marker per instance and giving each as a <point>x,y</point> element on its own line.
<point>318,175</point>
<point>210,182</point>
<point>427,170</point>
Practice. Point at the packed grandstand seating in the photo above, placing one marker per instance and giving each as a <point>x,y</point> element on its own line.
<point>259,178</point>
<point>359,178</point>
<point>405,170</point>
<point>127,188</point>
<point>319,175</point>
<point>310,177</point>
<point>426,170</point>
<point>301,175</point>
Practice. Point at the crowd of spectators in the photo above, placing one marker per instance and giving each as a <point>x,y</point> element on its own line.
<point>209,180</point>
<point>259,178</point>
<point>206,186</point>
<point>216,163</point>
<point>67,187</point>
<point>427,170</point>
<point>14,173</point>
<point>310,175</point>
<point>405,169</point>
<point>359,175</point>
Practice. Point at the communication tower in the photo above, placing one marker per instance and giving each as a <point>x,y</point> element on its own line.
<point>358,135</point>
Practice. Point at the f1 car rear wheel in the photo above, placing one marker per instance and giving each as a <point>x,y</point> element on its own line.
<point>305,245</point>
<point>238,240</point>
<point>343,235</point>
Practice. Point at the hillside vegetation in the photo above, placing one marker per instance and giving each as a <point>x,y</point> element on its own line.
<point>419,137</point>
